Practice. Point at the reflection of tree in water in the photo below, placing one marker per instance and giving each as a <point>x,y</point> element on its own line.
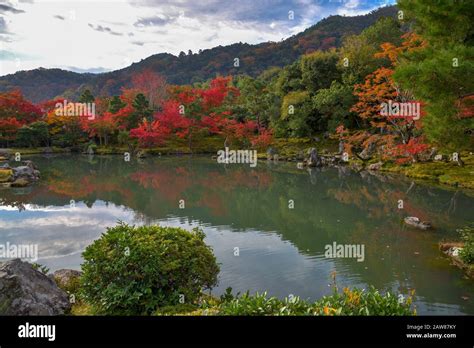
<point>330,205</point>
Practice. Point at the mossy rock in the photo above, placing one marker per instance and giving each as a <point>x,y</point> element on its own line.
<point>6,175</point>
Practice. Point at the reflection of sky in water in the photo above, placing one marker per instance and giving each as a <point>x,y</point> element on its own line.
<point>266,262</point>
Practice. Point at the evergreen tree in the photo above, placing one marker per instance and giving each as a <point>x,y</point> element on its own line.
<point>142,111</point>
<point>86,97</point>
<point>116,104</point>
<point>439,74</point>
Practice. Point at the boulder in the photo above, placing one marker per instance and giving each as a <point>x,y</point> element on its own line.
<point>368,152</point>
<point>20,182</point>
<point>375,166</point>
<point>6,175</point>
<point>27,172</point>
<point>271,153</point>
<point>341,147</point>
<point>4,155</point>
<point>67,279</point>
<point>313,159</point>
<point>415,222</point>
<point>26,291</point>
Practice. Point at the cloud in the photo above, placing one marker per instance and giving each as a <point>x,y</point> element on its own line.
<point>142,28</point>
<point>104,29</point>
<point>3,26</point>
<point>97,70</point>
<point>154,21</point>
<point>6,8</point>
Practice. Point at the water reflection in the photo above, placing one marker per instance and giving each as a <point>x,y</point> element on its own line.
<point>281,249</point>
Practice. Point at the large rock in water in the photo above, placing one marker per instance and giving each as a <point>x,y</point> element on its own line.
<point>415,222</point>
<point>26,291</point>
<point>28,172</point>
<point>313,159</point>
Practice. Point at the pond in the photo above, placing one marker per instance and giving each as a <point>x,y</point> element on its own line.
<point>268,226</point>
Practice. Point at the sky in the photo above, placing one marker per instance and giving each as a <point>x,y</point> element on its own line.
<point>104,35</point>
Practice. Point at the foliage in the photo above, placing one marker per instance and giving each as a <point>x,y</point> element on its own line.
<point>13,104</point>
<point>333,103</point>
<point>34,135</point>
<point>467,252</point>
<point>319,69</point>
<point>86,97</point>
<point>347,302</point>
<point>40,268</point>
<point>188,69</point>
<point>437,74</point>
<point>133,270</point>
<point>298,114</point>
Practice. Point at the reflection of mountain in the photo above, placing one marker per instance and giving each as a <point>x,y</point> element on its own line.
<point>329,206</point>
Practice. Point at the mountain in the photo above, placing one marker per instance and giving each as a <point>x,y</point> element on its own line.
<point>42,84</point>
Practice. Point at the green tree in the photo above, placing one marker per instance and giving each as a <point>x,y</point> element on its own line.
<point>441,73</point>
<point>135,270</point>
<point>86,97</point>
<point>34,135</point>
<point>298,114</point>
<point>116,104</point>
<point>334,104</point>
<point>356,56</point>
<point>319,69</point>
<point>142,111</point>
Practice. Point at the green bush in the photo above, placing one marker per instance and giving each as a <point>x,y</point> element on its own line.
<point>348,302</point>
<point>134,270</point>
<point>467,252</point>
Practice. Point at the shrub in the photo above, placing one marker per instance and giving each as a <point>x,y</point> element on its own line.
<point>467,252</point>
<point>134,270</point>
<point>349,302</point>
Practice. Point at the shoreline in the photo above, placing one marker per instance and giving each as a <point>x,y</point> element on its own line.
<point>437,173</point>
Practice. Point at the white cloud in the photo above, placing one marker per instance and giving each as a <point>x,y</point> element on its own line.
<point>110,34</point>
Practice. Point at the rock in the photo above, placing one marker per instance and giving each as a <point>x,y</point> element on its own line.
<point>313,160</point>
<point>67,279</point>
<point>356,166</point>
<point>26,291</point>
<point>271,153</point>
<point>375,166</point>
<point>415,222</point>
<point>453,251</point>
<point>20,182</point>
<point>6,175</point>
<point>141,154</point>
<point>25,172</point>
<point>300,165</point>
<point>5,154</point>
<point>341,147</point>
<point>368,152</point>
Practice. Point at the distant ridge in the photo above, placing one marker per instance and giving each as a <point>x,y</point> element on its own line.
<point>42,84</point>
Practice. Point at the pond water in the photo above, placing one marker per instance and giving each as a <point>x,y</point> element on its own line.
<point>280,250</point>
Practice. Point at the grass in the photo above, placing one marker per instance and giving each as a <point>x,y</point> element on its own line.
<point>446,173</point>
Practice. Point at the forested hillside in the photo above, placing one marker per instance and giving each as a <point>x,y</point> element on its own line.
<point>43,84</point>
